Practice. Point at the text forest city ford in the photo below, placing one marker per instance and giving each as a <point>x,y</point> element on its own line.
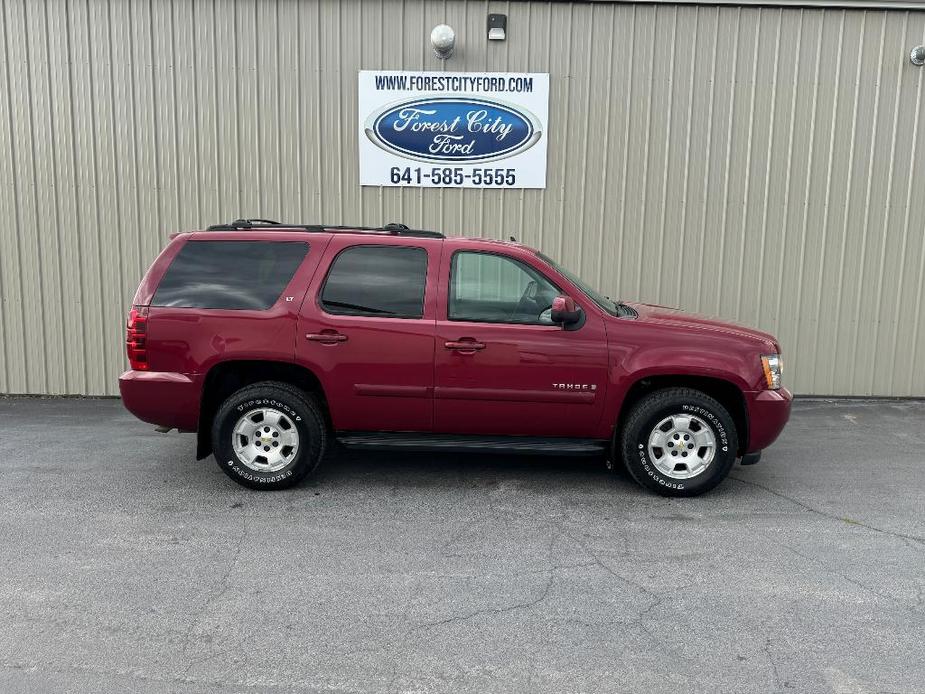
<point>453,129</point>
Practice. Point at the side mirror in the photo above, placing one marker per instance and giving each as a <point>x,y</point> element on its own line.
<point>565,311</point>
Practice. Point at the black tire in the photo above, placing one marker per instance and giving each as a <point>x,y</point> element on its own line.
<point>656,407</point>
<point>302,410</point>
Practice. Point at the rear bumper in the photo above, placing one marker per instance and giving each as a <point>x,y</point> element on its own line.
<point>161,397</point>
<point>768,412</point>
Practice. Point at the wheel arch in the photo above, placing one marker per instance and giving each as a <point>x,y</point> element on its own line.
<point>226,377</point>
<point>724,391</point>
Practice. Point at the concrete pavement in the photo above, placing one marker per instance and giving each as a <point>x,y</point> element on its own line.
<point>125,565</point>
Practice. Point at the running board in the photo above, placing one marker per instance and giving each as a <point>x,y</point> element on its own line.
<point>507,445</point>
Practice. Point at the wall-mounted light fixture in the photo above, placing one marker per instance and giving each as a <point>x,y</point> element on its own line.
<point>443,39</point>
<point>497,27</point>
<point>917,55</point>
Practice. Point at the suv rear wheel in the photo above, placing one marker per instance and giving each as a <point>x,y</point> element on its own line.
<point>679,442</point>
<point>269,435</point>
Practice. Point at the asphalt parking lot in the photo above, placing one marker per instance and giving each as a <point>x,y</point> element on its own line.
<point>125,565</point>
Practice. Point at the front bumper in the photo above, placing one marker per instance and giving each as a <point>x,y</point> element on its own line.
<point>768,412</point>
<point>162,398</point>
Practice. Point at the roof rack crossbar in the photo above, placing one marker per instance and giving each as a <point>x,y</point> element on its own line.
<point>393,228</point>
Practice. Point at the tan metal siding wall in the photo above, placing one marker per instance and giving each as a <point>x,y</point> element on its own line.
<point>748,162</point>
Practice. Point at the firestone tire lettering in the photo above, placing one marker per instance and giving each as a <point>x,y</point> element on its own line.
<point>644,461</point>
<point>234,465</point>
<point>251,404</point>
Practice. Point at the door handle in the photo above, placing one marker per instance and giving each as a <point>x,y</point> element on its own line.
<point>464,345</point>
<point>328,338</point>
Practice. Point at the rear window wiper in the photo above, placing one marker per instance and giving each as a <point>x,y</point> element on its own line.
<point>358,307</point>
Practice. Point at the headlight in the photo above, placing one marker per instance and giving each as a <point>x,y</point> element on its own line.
<point>773,366</point>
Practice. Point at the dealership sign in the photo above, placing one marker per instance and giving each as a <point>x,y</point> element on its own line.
<point>461,130</point>
<point>454,129</point>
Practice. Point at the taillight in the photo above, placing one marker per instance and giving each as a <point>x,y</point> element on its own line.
<point>136,338</point>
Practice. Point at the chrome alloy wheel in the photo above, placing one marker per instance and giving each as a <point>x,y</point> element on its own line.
<point>682,446</point>
<point>265,440</point>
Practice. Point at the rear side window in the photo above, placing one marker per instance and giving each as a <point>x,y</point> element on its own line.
<point>229,274</point>
<point>384,281</point>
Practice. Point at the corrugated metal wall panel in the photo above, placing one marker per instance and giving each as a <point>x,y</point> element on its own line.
<point>749,162</point>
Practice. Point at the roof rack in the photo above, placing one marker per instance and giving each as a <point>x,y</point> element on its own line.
<point>393,228</point>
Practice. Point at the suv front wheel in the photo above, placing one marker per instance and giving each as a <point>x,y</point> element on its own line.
<point>679,442</point>
<point>269,435</point>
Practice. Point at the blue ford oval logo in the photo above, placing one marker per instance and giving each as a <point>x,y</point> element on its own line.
<point>453,129</point>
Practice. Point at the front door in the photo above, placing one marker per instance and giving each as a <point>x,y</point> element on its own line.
<point>367,331</point>
<point>502,367</point>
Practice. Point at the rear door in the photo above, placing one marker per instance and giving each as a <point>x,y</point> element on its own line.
<point>367,329</point>
<point>501,366</point>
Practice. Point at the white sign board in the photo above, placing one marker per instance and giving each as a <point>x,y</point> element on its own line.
<point>453,129</point>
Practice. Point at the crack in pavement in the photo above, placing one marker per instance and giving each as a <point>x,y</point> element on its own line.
<point>222,588</point>
<point>835,572</point>
<point>656,598</point>
<point>772,662</point>
<point>510,608</point>
<point>830,516</point>
<point>495,610</point>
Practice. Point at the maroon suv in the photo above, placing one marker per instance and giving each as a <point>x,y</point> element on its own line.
<point>271,339</point>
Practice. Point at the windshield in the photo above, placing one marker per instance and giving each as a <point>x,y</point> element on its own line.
<point>614,308</point>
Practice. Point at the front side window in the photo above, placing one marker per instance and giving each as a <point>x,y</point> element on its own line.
<point>384,281</point>
<point>488,288</point>
<point>229,274</point>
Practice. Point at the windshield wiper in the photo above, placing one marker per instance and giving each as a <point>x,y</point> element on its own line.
<point>625,310</point>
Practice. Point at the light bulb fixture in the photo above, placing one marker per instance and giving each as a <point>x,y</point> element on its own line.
<point>443,39</point>
<point>917,55</point>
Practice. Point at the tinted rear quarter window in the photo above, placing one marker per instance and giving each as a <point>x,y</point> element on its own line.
<point>229,274</point>
<point>384,281</point>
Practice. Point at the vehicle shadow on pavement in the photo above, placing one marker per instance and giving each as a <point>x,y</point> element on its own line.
<point>353,471</point>
<point>449,469</point>
<point>357,470</point>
